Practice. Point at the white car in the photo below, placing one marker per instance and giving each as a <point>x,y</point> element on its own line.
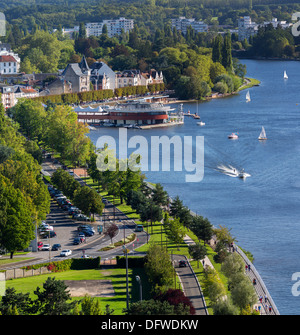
<point>45,247</point>
<point>65,253</point>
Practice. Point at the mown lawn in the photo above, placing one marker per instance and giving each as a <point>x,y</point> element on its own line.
<point>116,275</point>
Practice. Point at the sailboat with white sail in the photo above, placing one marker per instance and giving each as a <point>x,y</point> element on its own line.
<point>262,135</point>
<point>248,99</point>
<point>285,76</point>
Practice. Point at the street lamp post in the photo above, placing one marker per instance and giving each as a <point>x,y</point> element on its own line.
<point>138,279</point>
<point>125,250</point>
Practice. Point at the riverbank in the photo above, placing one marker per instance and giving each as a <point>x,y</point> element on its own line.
<point>248,83</point>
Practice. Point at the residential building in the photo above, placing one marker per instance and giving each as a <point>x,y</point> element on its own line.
<point>114,27</point>
<point>78,75</point>
<point>100,82</point>
<point>129,78</point>
<point>101,69</point>
<point>247,28</point>
<point>151,77</point>
<point>7,95</point>
<point>183,23</point>
<point>26,92</point>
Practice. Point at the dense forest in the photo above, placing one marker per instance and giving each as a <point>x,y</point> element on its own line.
<point>148,14</point>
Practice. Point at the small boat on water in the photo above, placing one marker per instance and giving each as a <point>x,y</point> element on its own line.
<point>285,76</point>
<point>242,174</point>
<point>233,136</point>
<point>248,99</point>
<point>262,135</point>
<point>201,123</point>
<point>196,116</point>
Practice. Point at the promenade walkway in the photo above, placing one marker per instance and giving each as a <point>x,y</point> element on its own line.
<point>265,304</point>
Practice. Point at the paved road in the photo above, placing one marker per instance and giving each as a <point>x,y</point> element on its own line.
<point>190,285</point>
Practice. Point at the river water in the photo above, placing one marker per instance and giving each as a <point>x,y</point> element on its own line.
<point>262,211</point>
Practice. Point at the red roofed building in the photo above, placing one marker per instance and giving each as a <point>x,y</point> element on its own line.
<point>9,63</point>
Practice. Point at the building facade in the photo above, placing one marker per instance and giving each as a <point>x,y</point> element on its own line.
<point>247,28</point>
<point>78,75</point>
<point>9,61</point>
<point>183,23</point>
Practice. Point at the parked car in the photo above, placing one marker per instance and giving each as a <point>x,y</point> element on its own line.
<point>85,227</point>
<point>88,232</point>
<point>65,253</point>
<point>45,247</point>
<point>56,247</point>
<point>46,234</point>
<point>39,245</point>
<point>76,240</point>
<point>81,217</point>
<point>85,256</point>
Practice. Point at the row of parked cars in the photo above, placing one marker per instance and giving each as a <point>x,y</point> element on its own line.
<point>66,204</point>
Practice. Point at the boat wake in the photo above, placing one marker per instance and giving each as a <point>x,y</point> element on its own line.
<point>231,171</point>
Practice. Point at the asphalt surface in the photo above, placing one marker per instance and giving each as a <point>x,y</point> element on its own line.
<point>66,230</point>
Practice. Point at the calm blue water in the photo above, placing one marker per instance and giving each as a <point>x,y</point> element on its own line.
<point>263,211</point>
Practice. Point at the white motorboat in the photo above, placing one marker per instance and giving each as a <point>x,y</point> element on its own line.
<point>201,123</point>
<point>233,136</point>
<point>285,76</point>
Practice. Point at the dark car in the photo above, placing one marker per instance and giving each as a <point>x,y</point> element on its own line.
<point>182,264</point>
<point>88,232</point>
<point>77,240</point>
<point>56,247</point>
<point>46,234</point>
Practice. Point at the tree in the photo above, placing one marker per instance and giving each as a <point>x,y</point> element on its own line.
<point>88,200</point>
<point>150,307</point>
<point>160,196</point>
<point>202,228</point>
<point>16,223</point>
<point>159,267</point>
<point>112,231</point>
<point>243,294</point>
<point>197,251</point>
<point>15,301</point>
<point>82,30</point>
<point>178,299</point>
<point>53,299</point>
<point>226,53</point>
<point>174,230</point>
<point>31,117</point>
<point>225,307</point>
<point>213,286</point>
<point>90,306</point>
<point>217,49</point>
<point>151,212</point>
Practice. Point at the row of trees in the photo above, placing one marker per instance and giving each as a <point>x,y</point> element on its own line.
<point>83,197</point>
<point>56,128</point>
<point>24,197</point>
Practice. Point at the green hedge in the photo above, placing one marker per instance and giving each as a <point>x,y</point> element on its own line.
<point>133,262</point>
<point>72,98</point>
<point>68,264</point>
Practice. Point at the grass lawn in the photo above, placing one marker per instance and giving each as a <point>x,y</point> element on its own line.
<point>5,261</point>
<point>117,276</point>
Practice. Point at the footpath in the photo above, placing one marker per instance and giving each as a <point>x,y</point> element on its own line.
<point>265,304</point>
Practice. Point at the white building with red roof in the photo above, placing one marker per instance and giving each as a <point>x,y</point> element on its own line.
<point>9,62</point>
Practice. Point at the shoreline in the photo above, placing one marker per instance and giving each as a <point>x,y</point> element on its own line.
<point>248,83</point>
